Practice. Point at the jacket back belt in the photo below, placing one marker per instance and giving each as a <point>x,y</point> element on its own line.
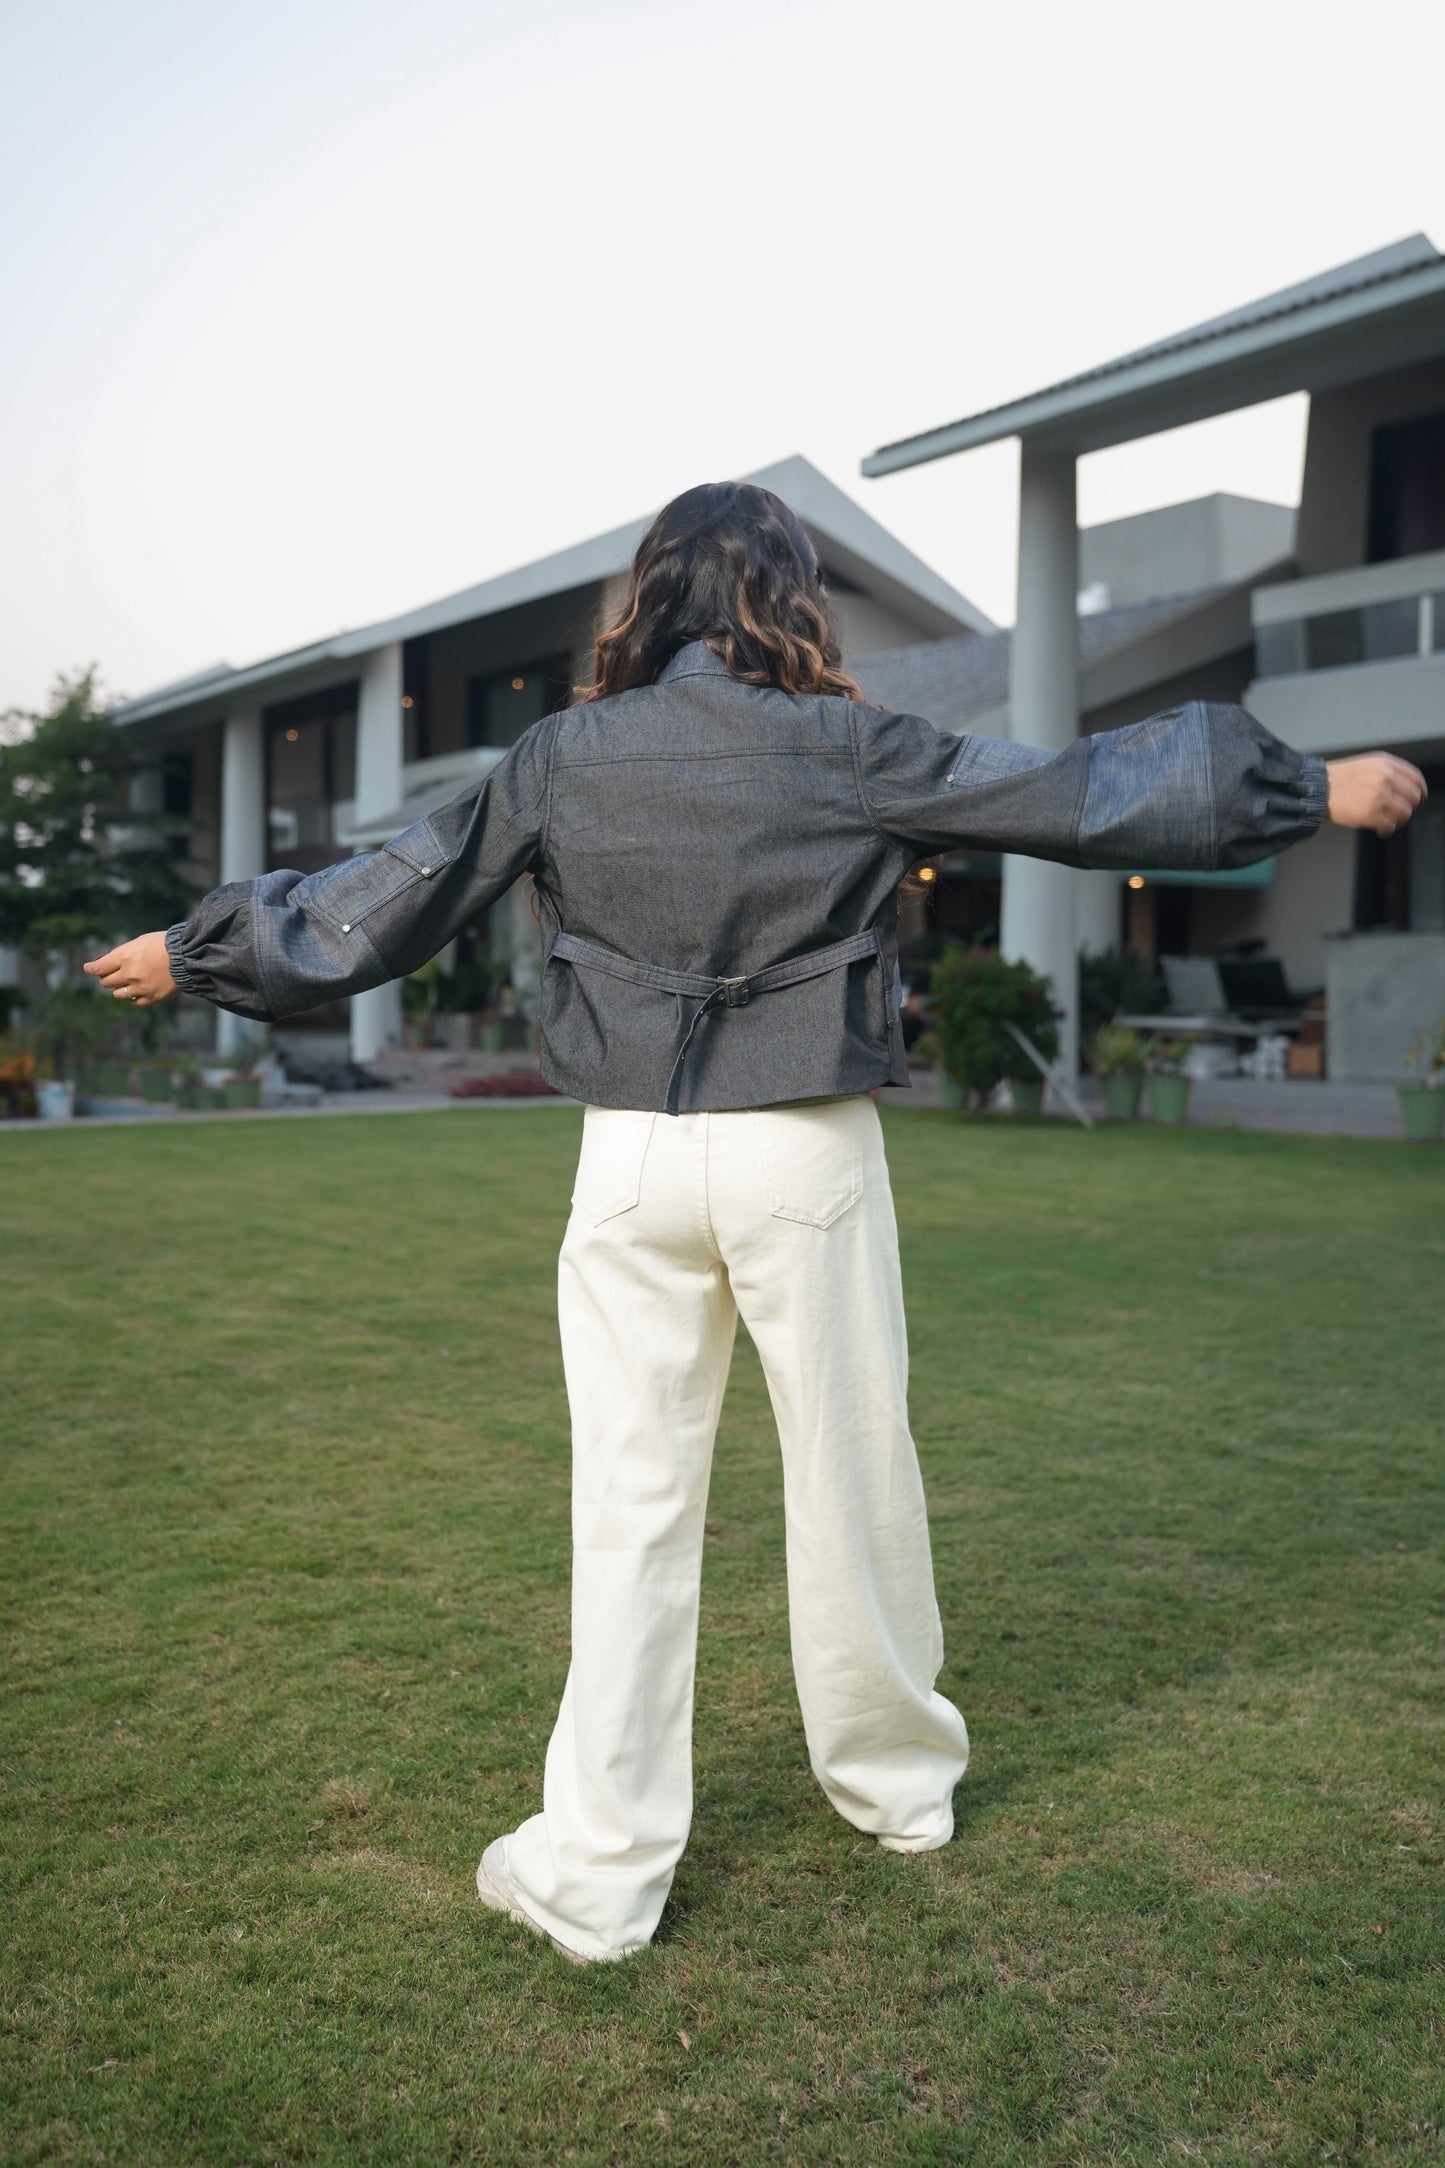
<point>713,994</point>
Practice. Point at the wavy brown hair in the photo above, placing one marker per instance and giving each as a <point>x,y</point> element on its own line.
<point>728,563</point>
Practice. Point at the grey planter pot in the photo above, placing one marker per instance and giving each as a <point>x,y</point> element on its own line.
<point>1121,1096</point>
<point>1422,1112</point>
<point>1168,1097</point>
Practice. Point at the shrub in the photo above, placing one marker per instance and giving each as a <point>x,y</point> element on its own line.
<point>1116,1050</point>
<point>977,995</point>
<point>1111,982</point>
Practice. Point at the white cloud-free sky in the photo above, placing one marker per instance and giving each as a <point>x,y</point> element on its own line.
<point>315,309</point>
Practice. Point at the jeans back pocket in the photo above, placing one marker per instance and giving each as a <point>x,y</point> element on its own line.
<point>609,1171</point>
<point>812,1159</point>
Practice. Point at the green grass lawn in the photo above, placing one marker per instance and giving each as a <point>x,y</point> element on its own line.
<point>285,1528</point>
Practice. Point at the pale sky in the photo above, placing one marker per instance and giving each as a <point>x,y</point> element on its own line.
<point>317,309</point>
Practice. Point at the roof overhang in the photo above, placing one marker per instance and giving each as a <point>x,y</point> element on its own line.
<point>1383,312</point>
<point>849,538</point>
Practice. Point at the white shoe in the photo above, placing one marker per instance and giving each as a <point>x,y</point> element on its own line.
<point>495,1891</point>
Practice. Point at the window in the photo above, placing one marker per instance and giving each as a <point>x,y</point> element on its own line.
<point>1372,632</point>
<point>1407,488</point>
<point>310,769</point>
<point>503,704</point>
<point>176,784</point>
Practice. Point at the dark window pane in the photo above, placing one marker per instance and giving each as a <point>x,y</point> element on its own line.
<point>1279,649</point>
<point>1407,488</point>
<point>502,706</point>
<point>176,784</point>
<point>1391,628</point>
<point>343,756</point>
<point>300,809</point>
<point>1333,642</point>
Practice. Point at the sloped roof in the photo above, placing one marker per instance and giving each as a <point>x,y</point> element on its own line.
<point>851,540</point>
<point>1380,310</point>
<point>955,682</point>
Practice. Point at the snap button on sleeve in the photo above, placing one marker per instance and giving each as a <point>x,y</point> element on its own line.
<point>347,927</point>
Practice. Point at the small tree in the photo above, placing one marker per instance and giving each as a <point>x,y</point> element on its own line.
<point>79,866</point>
<point>977,996</point>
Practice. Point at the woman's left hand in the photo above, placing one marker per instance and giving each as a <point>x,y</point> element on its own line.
<point>138,971</point>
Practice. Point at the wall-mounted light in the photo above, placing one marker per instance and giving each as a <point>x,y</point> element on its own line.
<point>407,701</point>
<point>928,873</point>
<point>1136,880</point>
<point>292,736</point>
<point>517,684</point>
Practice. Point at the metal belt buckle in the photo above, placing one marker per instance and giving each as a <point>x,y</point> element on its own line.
<point>735,993</point>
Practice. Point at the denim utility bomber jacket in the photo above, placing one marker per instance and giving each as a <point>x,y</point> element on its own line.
<point>717,867</point>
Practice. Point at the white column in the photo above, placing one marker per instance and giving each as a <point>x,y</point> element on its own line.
<point>376,1016</point>
<point>1098,910</point>
<point>1038,897</point>
<point>243,835</point>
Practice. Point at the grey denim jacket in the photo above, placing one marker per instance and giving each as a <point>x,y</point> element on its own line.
<point>717,867</point>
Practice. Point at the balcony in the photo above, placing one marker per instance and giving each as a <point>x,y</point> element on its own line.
<point>1353,658</point>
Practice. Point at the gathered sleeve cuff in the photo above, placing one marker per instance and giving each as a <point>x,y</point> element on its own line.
<point>213,952</point>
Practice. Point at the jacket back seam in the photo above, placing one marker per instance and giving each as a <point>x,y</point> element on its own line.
<point>759,752</point>
<point>1081,798</point>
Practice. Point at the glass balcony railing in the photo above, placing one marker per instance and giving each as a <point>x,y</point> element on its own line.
<point>1378,613</point>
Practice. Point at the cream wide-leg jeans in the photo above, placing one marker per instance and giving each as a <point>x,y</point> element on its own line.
<point>679,1224</point>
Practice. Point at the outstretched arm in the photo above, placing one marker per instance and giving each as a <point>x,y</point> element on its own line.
<point>286,941</point>
<point>1197,787</point>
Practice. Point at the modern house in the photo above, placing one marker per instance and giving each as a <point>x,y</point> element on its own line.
<point>298,759</point>
<point>1335,636</point>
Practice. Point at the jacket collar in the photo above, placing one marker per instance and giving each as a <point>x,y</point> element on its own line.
<point>697,659</point>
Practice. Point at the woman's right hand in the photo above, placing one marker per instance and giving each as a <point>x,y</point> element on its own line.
<point>1373,790</point>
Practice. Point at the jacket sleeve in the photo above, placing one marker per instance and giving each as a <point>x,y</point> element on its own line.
<point>1196,788</point>
<point>287,941</point>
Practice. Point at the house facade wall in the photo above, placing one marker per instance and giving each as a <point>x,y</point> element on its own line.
<point>535,632</point>
<point>1335,496</point>
<point>868,626</point>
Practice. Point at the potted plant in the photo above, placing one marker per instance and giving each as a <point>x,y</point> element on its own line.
<point>1168,1087</point>
<point>68,1023</point>
<point>950,1091</point>
<point>1421,1098</point>
<point>977,995</point>
<point>157,1085</point>
<point>1119,1057</point>
<point>193,1094</point>
<point>17,1085</point>
<point>500,1026</point>
<point>419,1005</point>
<point>235,1079</point>
<point>242,1087</point>
<point>461,995</point>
